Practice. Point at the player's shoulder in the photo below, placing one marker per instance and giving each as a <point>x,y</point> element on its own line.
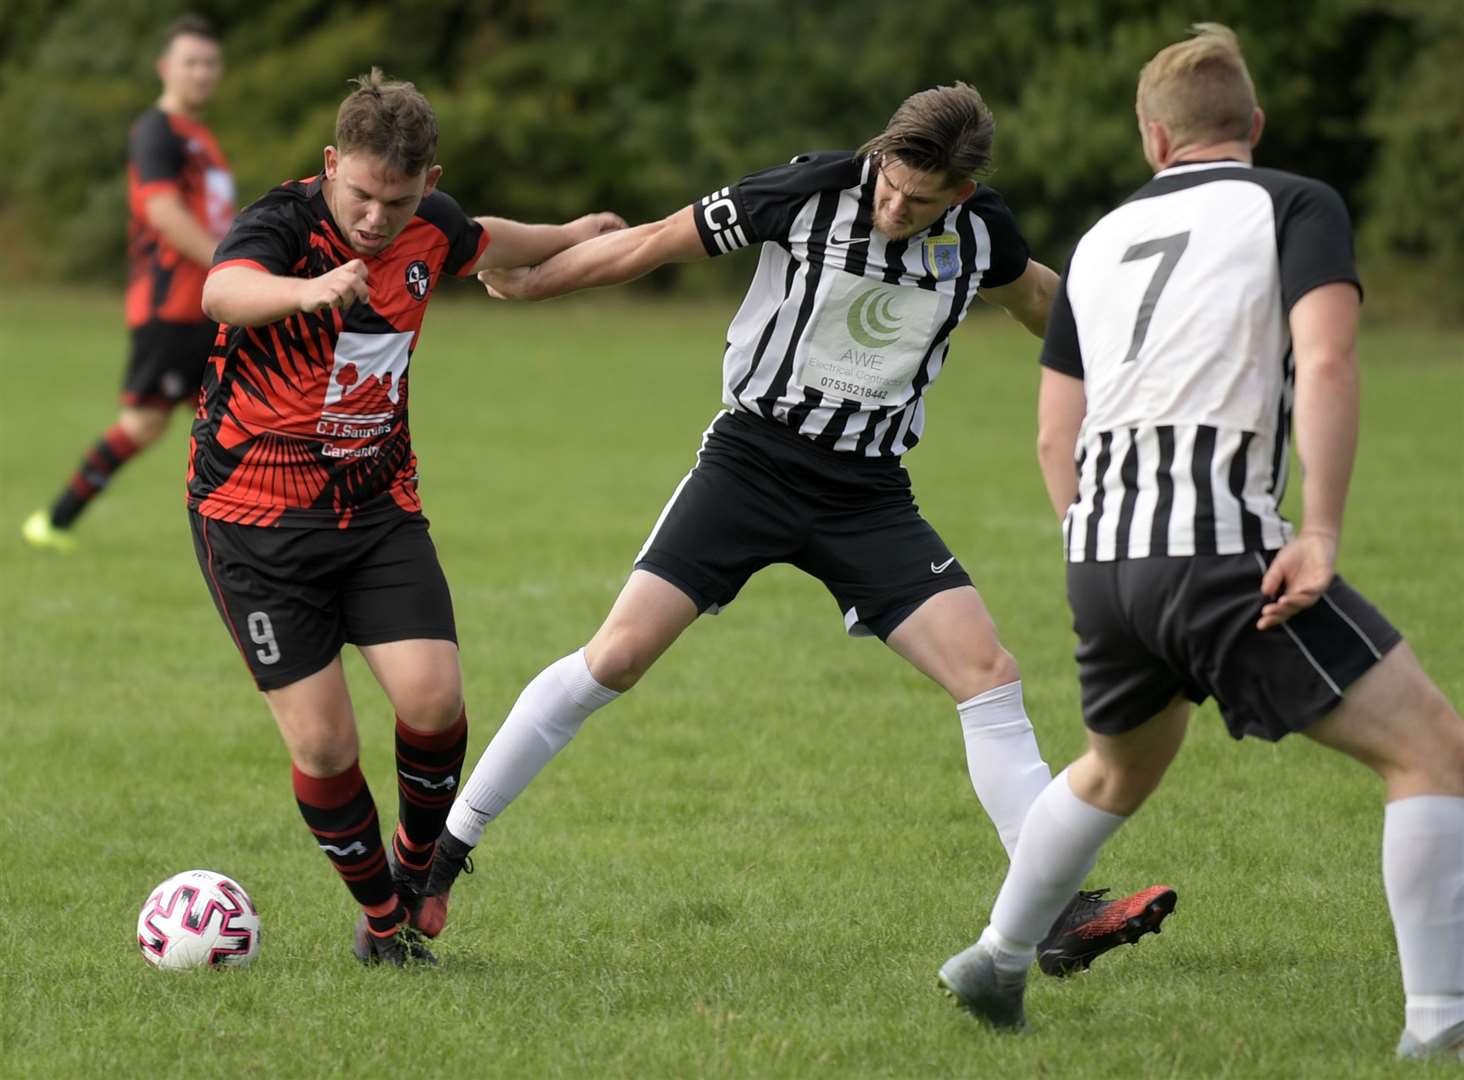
<point>153,123</point>
<point>440,209</point>
<point>1287,188</point>
<point>827,159</point>
<point>986,201</point>
<point>809,172</point>
<point>290,200</point>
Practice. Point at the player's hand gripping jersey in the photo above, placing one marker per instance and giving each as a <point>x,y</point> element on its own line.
<point>842,329</point>
<point>171,153</point>
<point>304,422</point>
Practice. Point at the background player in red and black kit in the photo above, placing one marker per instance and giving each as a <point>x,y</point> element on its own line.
<point>302,485</point>
<point>180,194</point>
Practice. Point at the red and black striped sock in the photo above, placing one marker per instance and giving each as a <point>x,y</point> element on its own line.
<point>342,815</point>
<point>111,452</point>
<point>429,766</point>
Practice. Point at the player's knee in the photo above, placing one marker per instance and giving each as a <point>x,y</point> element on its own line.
<point>144,426</point>
<point>1127,790</point>
<point>1435,755</point>
<point>326,754</point>
<point>618,659</point>
<point>432,706</point>
<point>983,671</point>
<point>1117,786</point>
<point>1001,667</point>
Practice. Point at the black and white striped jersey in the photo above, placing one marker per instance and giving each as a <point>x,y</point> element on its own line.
<point>842,330</point>
<point>1174,310</point>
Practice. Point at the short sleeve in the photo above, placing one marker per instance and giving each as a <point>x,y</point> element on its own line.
<point>466,237</point>
<point>267,235</point>
<point>1313,241</point>
<point>1009,251</point>
<point>155,150</point>
<point>762,206</point>
<point>1060,349</point>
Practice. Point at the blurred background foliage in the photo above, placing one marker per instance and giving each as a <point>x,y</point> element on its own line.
<point>549,108</point>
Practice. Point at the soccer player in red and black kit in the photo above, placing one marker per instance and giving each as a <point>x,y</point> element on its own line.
<point>302,485</point>
<point>181,197</point>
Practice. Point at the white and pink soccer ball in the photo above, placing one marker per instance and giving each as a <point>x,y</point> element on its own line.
<point>198,919</point>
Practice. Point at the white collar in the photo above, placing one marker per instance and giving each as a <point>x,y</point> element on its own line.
<point>1196,166</point>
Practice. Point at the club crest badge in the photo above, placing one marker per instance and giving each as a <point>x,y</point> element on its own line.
<point>419,280</point>
<point>942,256</point>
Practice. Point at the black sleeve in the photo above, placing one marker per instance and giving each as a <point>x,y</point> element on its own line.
<point>1009,250</point>
<point>1313,240</point>
<point>154,148</point>
<point>464,235</point>
<point>270,233</point>
<point>1060,350</point>
<point>763,205</point>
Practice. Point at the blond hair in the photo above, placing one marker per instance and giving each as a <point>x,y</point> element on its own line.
<point>1199,89</point>
<point>389,119</point>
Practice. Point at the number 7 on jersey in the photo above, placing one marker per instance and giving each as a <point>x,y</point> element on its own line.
<point>1169,249</point>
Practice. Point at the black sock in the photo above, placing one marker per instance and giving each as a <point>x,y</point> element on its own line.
<point>342,815</point>
<point>113,450</point>
<point>428,769</point>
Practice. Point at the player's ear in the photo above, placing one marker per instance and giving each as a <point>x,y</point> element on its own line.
<point>434,174</point>
<point>332,162</point>
<point>1258,124</point>
<point>1156,143</point>
<point>964,192</point>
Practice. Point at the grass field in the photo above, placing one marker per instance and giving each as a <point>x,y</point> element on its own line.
<point>752,865</point>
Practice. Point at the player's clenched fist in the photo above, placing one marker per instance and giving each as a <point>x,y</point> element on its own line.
<point>593,225</point>
<point>508,283</point>
<point>342,287</point>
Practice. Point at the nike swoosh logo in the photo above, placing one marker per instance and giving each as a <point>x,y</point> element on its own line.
<point>846,240</point>
<point>934,569</point>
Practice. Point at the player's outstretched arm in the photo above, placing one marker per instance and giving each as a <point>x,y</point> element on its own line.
<point>512,243</point>
<point>1325,417</point>
<point>247,296</point>
<point>1029,298</point>
<point>606,260</point>
<point>1061,405</point>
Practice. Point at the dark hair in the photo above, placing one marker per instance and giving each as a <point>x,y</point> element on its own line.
<point>389,119</point>
<point>947,129</point>
<point>187,26</point>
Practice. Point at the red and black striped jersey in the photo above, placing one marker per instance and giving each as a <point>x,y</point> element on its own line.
<point>303,422</point>
<point>168,152</point>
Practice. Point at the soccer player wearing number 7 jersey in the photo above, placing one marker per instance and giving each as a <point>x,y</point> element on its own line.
<point>1192,325</point>
<point>302,483</point>
<point>869,260</point>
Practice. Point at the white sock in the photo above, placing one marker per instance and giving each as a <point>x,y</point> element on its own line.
<point>542,721</point>
<point>1059,845</point>
<point>1006,767</point>
<point>1423,875</point>
<point>1007,955</point>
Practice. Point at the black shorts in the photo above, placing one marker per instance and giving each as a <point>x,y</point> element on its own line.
<point>762,494</point>
<point>292,597</point>
<point>1149,629</point>
<point>167,362</point>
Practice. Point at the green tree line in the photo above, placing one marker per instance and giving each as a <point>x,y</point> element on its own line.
<point>549,108</point>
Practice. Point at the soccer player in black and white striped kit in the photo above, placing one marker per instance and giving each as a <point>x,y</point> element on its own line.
<point>1194,325</point>
<point>869,261</point>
